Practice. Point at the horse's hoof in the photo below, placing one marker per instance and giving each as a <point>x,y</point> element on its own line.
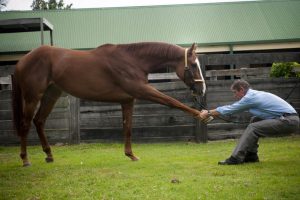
<point>49,160</point>
<point>133,158</point>
<point>27,164</point>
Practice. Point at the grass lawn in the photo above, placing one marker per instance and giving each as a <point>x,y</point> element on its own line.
<point>101,171</point>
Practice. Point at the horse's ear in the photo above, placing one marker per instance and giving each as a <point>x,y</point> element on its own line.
<point>193,48</point>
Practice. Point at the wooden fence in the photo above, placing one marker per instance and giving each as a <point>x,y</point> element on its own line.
<point>151,122</point>
<point>59,126</point>
<point>154,122</point>
<point>74,120</point>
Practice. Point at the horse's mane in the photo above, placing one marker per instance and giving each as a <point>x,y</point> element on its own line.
<point>155,49</point>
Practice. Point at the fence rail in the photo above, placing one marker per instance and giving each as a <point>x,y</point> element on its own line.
<point>244,73</point>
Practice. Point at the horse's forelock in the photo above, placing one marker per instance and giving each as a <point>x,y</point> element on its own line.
<point>154,49</point>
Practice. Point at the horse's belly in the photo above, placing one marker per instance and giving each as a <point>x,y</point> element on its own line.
<point>88,81</point>
<point>101,92</point>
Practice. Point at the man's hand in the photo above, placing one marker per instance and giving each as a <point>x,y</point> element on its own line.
<point>204,114</point>
<point>205,117</point>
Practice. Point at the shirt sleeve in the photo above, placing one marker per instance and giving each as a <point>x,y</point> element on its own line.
<point>239,106</point>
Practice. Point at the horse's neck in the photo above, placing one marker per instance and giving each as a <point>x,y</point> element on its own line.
<point>166,63</point>
<point>155,56</point>
<point>154,63</point>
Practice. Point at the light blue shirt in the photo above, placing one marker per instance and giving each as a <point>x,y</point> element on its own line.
<point>259,103</point>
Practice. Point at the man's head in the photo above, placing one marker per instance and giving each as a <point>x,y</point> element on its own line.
<point>240,88</point>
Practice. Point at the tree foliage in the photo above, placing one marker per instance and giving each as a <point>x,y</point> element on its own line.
<point>49,5</point>
<point>285,70</point>
<point>3,4</point>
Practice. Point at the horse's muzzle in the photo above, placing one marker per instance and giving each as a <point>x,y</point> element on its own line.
<point>197,88</point>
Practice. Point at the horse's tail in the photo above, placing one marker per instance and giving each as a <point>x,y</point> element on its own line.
<point>17,104</point>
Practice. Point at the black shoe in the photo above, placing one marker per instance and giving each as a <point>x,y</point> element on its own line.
<point>251,157</point>
<point>230,161</point>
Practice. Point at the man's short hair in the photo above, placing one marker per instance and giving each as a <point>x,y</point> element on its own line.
<point>237,85</point>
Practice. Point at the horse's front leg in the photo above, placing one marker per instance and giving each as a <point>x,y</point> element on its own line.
<point>127,110</point>
<point>148,92</point>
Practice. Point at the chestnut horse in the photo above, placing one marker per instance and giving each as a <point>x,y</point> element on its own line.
<point>109,73</point>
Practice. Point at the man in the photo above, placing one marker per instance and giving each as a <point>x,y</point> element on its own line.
<point>272,117</point>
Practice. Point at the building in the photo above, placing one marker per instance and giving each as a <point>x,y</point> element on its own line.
<point>252,33</point>
<point>219,27</point>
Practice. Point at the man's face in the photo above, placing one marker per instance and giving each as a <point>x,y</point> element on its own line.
<point>239,94</point>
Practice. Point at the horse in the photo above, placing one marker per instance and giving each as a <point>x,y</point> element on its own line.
<point>109,73</point>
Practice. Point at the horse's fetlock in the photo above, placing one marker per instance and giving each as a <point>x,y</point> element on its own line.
<point>47,150</point>
<point>23,155</point>
<point>128,153</point>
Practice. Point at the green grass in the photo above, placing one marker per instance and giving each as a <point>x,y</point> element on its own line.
<point>101,171</point>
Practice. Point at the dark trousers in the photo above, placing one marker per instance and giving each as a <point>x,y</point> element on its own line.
<point>248,142</point>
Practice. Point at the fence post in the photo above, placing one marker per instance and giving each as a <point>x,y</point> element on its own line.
<point>74,134</point>
<point>200,127</point>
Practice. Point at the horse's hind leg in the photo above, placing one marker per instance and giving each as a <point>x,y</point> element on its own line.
<point>127,110</point>
<point>28,108</point>
<point>47,103</point>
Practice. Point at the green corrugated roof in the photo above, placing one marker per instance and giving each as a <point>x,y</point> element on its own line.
<point>205,24</point>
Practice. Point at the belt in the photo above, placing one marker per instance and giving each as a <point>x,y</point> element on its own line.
<point>289,114</point>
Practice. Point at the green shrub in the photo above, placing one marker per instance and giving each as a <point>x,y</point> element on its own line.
<point>284,70</point>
